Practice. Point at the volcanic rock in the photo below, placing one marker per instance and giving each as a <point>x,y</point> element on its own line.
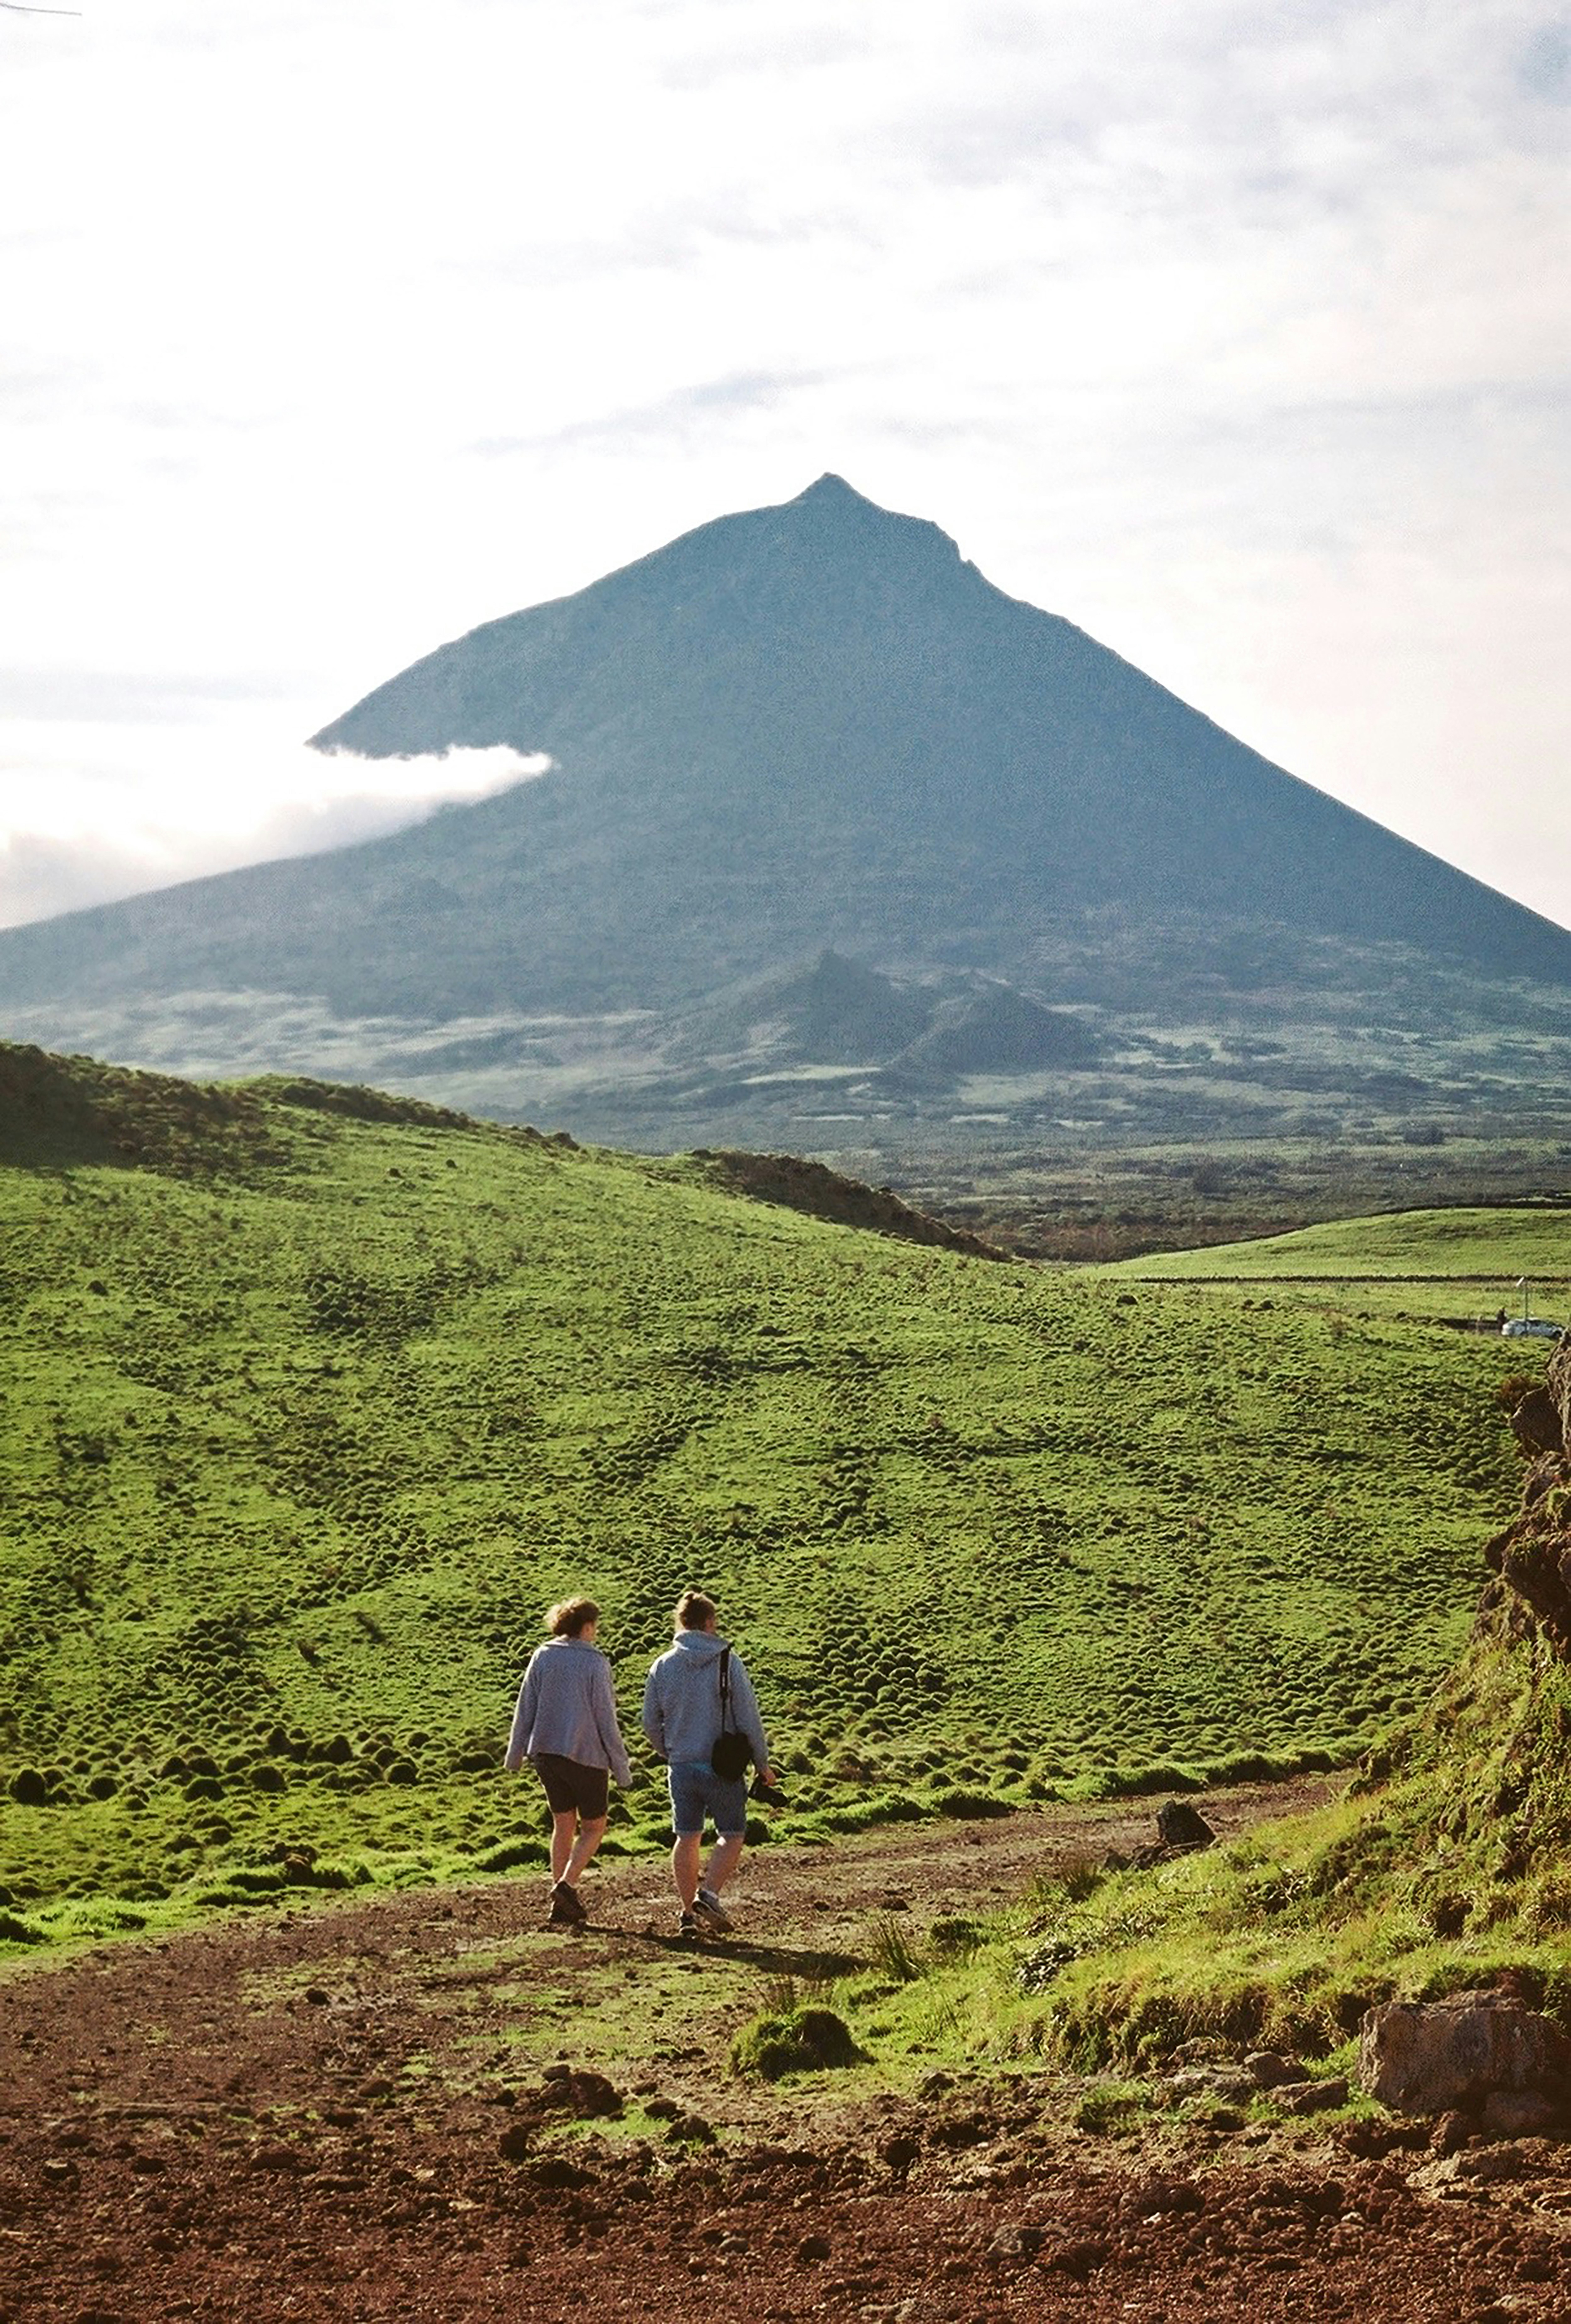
<point>1181,1825</point>
<point>1430,2056</point>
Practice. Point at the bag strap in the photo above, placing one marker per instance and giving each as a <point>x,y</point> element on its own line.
<point>725,1690</point>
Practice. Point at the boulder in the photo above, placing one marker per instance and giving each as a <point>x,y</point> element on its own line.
<point>1431,2057</point>
<point>572,2090</point>
<point>1521,2114</point>
<point>1310,2097</point>
<point>1180,1825</point>
<point>1016,2243</point>
<point>1536,1423</point>
<point>1267,2068</point>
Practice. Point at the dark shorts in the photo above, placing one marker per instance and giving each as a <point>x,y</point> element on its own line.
<point>571,1785</point>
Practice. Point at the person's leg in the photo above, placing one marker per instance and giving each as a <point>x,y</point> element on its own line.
<point>685,1866</point>
<point>686,1790</point>
<point>723,1859</point>
<point>579,1797</point>
<point>564,1827</point>
<point>591,1832</point>
<point>727,1804</point>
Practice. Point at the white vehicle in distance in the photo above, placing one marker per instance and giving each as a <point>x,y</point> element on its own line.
<point>1526,1326</point>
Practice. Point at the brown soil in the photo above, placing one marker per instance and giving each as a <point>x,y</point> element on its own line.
<point>350,2112</point>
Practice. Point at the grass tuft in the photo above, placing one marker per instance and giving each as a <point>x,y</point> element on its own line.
<point>803,2039</point>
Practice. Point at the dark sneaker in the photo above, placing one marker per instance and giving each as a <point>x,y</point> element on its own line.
<point>710,1910</point>
<point>689,1924</point>
<point>567,1908</point>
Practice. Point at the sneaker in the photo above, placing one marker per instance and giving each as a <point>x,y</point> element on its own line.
<point>567,1908</point>
<point>689,1924</point>
<point>710,1910</point>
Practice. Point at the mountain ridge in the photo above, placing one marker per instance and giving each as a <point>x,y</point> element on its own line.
<point>803,729</point>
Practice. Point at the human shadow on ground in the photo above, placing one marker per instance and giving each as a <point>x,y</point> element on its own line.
<point>808,1964</point>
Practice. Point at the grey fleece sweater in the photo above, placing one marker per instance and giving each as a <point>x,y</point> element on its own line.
<point>681,1701</point>
<point>566,1706</point>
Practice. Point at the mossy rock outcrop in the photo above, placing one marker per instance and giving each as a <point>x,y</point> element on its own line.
<point>1533,1556</point>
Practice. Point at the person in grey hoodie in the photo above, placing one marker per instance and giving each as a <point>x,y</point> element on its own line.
<point>681,1718</point>
<point>565,1725</point>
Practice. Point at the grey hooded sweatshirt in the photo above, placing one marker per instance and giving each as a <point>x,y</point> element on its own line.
<point>567,1708</point>
<point>681,1701</point>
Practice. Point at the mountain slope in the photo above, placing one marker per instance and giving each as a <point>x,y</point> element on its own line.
<point>826,672</point>
<point>803,728</point>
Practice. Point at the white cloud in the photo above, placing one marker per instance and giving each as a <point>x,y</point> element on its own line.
<point>92,811</point>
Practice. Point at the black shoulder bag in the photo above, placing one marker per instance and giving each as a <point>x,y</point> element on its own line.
<point>732,1754</point>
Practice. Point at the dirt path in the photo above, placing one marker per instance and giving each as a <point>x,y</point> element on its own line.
<point>342,2113</point>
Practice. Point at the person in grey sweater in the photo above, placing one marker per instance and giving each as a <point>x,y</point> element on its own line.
<point>681,1718</point>
<point>565,1725</point>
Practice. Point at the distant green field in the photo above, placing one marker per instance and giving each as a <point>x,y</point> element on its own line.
<point>1429,1262</point>
<point>299,1432</point>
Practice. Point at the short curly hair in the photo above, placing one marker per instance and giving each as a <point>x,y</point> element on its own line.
<point>568,1619</point>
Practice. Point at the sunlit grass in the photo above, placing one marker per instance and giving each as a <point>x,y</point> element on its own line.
<point>305,1416</point>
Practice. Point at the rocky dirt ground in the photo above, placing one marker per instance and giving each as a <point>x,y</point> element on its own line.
<point>367,2111</point>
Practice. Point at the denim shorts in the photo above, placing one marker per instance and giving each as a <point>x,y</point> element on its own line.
<point>697,1792</point>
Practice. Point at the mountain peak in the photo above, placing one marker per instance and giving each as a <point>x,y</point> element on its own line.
<point>805,732</point>
<point>831,497</point>
<point>831,519</point>
<point>829,488</point>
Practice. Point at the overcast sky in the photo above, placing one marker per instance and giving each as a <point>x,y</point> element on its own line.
<point>1234,332</point>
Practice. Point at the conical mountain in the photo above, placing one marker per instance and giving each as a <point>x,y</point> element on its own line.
<point>804,728</point>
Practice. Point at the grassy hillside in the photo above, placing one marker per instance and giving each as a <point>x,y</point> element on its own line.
<point>1445,1866</point>
<point>1430,1262</point>
<point>311,1401</point>
<point>1441,1869</point>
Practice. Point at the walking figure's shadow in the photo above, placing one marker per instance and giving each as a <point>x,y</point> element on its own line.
<point>808,1965</point>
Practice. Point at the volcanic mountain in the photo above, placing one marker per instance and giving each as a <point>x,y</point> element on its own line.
<point>825,810</point>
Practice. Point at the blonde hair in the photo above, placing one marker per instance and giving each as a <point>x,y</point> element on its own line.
<point>568,1619</point>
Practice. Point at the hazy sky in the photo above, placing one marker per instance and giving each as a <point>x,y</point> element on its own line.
<point>1234,332</point>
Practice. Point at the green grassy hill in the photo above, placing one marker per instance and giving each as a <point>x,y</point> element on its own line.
<point>1446,1866</point>
<point>1453,1262</point>
<point>1443,1868</point>
<point>310,1401</point>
